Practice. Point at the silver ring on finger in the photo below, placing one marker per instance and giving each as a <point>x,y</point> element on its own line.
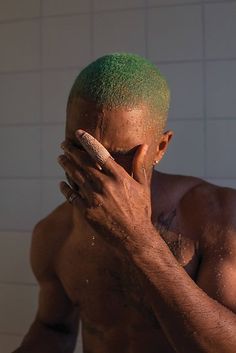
<point>72,197</point>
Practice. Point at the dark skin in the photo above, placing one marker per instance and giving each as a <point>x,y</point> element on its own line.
<point>152,268</point>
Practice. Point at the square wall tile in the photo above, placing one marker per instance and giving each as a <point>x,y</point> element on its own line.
<point>221,146</point>
<point>63,7</point>
<point>121,31</point>
<point>51,195</point>
<point>56,88</point>
<point>14,9</point>
<point>20,98</point>
<point>175,33</point>
<point>185,154</point>
<point>19,204</point>
<point>52,137</point>
<point>15,257</point>
<point>228,183</point>
<point>114,4</point>
<point>20,151</point>
<point>20,45</point>
<point>66,41</point>
<point>221,88</point>
<point>220,30</point>
<point>9,342</point>
<point>186,87</point>
<point>17,313</point>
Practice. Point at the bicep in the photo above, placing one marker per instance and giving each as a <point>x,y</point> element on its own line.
<point>55,309</point>
<point>217,273</point>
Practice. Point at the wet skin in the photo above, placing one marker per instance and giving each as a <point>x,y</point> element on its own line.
<point>154,300</point>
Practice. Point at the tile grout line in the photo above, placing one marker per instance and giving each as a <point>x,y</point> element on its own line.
<point>23,284</point>
<point>5,333</point>
<point>92,51</point>
<point>146,29</point>
<point>204,91</point>
<point>75,67</point>
<point>172,119</point>
<point>74,14</point>
<point>41,112</point>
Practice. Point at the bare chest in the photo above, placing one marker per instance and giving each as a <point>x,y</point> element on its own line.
<point>106,287</point>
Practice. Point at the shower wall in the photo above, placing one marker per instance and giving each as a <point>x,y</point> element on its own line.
<point>43,46</point>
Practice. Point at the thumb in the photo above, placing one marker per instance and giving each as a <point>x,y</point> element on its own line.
<point>138,169</point>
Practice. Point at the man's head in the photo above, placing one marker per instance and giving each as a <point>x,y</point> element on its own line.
<point>123,100</point>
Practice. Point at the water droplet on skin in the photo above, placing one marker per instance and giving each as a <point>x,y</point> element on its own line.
<point>87,281</point>
<point>92,244</point>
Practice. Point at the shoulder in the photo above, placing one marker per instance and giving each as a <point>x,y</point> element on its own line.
<point>48,236</point>
<point>210,210</point>
<point>218,202</point>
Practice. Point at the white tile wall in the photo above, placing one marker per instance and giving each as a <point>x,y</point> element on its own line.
<point>9,342</point>
<point>14,255</point>
<point>15,9</point>
<point>20,148</point>
<point>51,195</point>
<point>43,46</point>
<point>220,30</point>
<point>19,204</point>
<point>183,24</point>
<point>186,86</point>
<point>13,300</point>
<point>66,41</point>
<point>221,88</point>
<point>63,7</point>
<point>19,43</point>
<point>52,136</point>
<point>185,154</point>
<point>56,87</point>
<point>221,149</point>
<point>19,98</point>
<point>114,4</point>
<point>169,2</point>
<point>119,31</point>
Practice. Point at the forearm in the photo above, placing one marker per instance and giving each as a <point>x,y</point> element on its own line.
<point>41,338</point>
<point>192,321</point>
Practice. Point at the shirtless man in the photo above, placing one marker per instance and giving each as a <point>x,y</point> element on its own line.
<point>146,261</point>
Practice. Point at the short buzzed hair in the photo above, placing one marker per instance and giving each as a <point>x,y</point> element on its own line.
<point>124,80</point>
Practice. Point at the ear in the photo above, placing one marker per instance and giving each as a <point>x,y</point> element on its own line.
<point>163,144</point>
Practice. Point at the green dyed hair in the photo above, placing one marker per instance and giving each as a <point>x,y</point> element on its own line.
<point>124,80</point>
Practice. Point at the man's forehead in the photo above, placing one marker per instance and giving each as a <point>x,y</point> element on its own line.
<point>119,130</point>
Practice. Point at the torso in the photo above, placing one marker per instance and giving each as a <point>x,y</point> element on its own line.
<point>115,315</point>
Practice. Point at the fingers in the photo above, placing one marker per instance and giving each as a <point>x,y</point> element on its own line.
<point>71,170</point>
<point>96,150</point>
<point>69,193</point>
<point>81,160</point>
<point>87,188</point>
<point>138,165</point>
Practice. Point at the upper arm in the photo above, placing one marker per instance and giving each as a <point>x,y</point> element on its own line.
<point>217,273</point>
<point>54,307</point>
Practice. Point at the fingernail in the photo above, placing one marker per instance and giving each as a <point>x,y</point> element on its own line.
<point>79,133</point>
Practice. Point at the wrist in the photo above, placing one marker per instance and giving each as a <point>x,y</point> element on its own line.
<point>141,238</point>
